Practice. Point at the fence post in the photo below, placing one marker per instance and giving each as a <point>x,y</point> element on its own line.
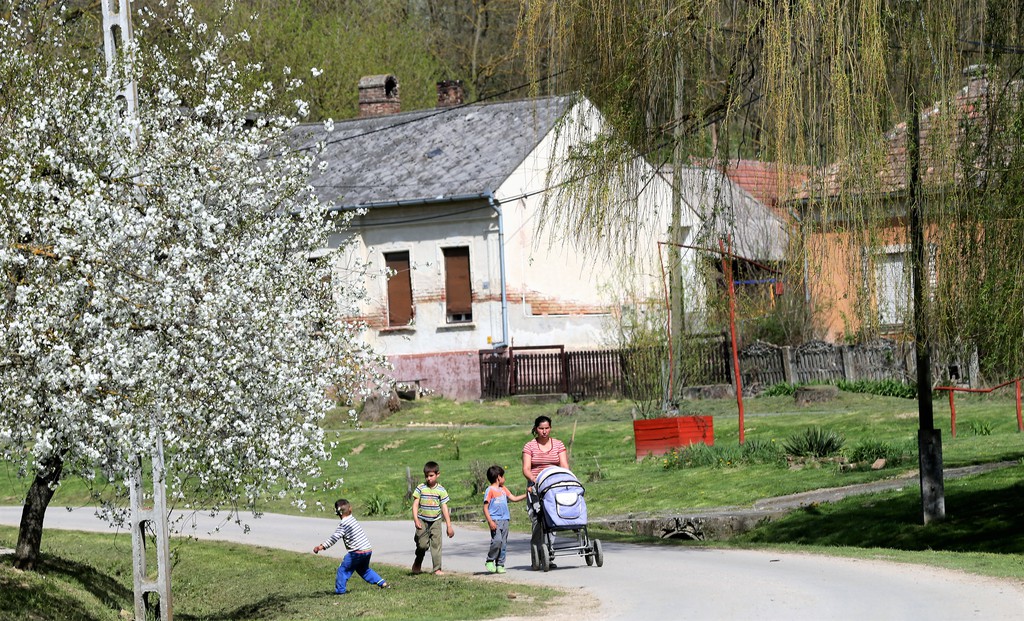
<point>849,373</point>
<point>952,413</point>
<point>973,368</point>
<point>1020,422</point>
<point>565,371</point>
<point>787,364</point>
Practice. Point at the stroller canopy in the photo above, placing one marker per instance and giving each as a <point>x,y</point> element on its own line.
<point>555,475</point>
<point>561,499</point>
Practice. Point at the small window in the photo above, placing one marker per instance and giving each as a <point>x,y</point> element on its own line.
<point>400,310</point>
<point>458,293</point>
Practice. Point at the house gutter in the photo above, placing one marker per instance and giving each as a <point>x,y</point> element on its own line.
<point>492,202</point>
<point>439,200</point>
<point>496,206</point>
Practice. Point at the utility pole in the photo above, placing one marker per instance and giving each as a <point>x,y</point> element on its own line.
<point>929,439</point>
<point>677,309</point>
<point>118,40</point>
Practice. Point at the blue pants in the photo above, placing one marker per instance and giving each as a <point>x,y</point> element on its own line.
<point>499,543</point>
<point>359,563</point>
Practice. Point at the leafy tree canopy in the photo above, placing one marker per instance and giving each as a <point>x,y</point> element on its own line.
<point>155,272</point>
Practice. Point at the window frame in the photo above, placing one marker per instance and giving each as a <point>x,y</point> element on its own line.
<point>398,288</point>
<point>458,284</point>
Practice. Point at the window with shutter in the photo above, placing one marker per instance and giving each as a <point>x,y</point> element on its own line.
<point>400,310</point>
<point>458,293</point>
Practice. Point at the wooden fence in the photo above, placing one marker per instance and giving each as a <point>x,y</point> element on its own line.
<point>598,374</point>
<point>594,374</point>
<point>764,365</point>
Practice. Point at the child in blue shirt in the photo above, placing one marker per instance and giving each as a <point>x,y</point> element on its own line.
<point>496,500</point>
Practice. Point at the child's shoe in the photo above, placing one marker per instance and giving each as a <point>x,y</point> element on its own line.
<point>500,569</point>
<point>489,565</point>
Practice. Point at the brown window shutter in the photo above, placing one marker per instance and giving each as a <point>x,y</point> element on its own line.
<point>399,289</point>
<point>456,281</point>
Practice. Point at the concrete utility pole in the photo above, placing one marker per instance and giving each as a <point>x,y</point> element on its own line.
<point>118,39</point>
<point>141,519</point>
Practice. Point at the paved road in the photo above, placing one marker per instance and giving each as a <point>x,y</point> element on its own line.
<point>642,582</point>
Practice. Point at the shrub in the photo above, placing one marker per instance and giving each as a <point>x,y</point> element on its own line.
<point>871,450</point>
<point>704,456</point>
<point>814,442</point>
<point>756,451</point>
<point>701,456</point>
<point>979,428</point>
<point>377,504</point>
<point>782,389</point>
<point>884,388</point>
<point>478,482</point>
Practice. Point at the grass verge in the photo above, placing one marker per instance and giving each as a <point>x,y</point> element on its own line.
<point>88,577</point>
<point>981,534</point>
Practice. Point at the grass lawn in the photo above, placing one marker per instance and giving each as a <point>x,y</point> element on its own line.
<point>982,533</point>
<point>466,438</point>
<point>89,577</point>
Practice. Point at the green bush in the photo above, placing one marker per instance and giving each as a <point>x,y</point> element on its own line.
<point>814,442</point>
<point>782,389</point>
<point>757,451</point>
<point>884,388</point>
<point>979,428</point>
<point>871,450</point>
<point>377,504</point>
<point>704,456</point>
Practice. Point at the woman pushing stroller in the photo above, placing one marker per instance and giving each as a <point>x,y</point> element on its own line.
<point>539,453</point>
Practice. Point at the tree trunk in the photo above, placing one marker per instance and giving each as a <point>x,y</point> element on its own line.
<point>30,533</point>
<point>677,305</point>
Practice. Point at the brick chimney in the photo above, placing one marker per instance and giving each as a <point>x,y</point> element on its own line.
<point>378,95</point>
<point>450,93</point>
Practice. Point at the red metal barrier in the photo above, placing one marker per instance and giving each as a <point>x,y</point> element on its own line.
<point>952,405</point>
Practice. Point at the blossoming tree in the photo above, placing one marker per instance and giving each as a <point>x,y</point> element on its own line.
<point>155,276</point>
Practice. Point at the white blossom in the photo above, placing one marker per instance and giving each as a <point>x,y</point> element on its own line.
<point>154,282</point>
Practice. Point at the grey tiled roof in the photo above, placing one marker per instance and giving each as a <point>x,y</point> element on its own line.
<point>428,154</point>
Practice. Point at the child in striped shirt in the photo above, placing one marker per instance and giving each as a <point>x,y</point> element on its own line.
<point>357,560</point>
<point>429,508</point>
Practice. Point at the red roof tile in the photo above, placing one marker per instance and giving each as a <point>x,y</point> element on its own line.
<point>939,162</point>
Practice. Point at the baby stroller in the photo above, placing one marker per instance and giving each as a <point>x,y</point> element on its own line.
<point>562,509</point>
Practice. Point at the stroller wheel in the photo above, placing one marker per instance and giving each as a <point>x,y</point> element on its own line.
<point>590,559</point>
<point>545,558</point>
<point>534,557</point>
<point>598,553</point>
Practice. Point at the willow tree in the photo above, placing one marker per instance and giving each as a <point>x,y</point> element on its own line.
<point>904,151</point>
<point>155,277</point>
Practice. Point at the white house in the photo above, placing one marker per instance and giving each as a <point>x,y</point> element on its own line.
<point>449,203</point>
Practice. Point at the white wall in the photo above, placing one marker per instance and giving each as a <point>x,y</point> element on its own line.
<point>540,265</point>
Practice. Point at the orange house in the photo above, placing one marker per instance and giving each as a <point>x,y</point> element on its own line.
<point>853,219</point>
